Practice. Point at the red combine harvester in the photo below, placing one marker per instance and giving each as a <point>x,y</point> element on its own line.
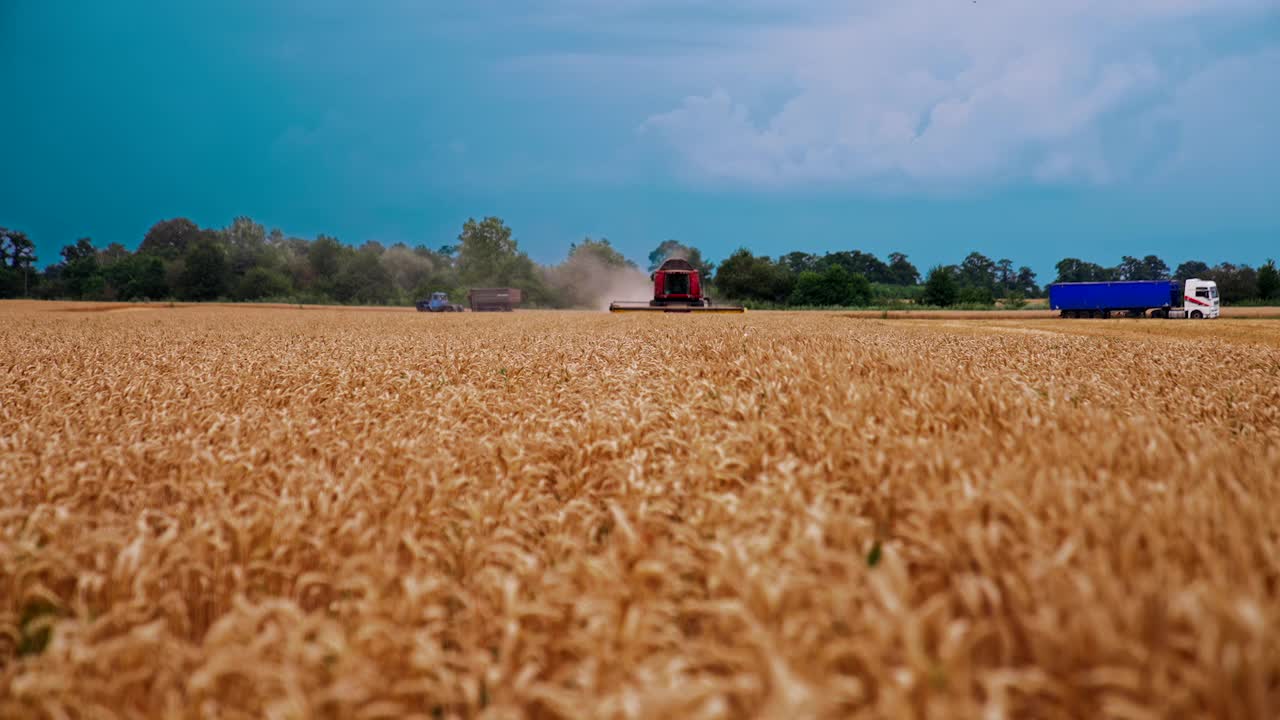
<point>676,289</point>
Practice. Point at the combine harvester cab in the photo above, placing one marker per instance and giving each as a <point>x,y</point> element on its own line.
<point>677,288</point>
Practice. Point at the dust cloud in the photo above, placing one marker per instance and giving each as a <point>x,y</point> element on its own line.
<point>584,281</point>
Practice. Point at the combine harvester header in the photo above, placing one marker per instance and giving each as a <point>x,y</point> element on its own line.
<point>676,289</point>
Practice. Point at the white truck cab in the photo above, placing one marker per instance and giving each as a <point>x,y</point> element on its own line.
<point>1197,301</point>
<point>1200,299</point>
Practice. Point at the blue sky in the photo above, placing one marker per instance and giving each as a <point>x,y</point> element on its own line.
<point>1028,130</point>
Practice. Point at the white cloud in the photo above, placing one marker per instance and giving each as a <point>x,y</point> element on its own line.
<point>1228,117</point>
<point>929,93</point>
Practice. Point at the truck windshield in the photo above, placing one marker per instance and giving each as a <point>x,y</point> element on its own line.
<point>1213,292</point>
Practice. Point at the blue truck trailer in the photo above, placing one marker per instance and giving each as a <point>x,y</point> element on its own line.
<point>1193,299</point>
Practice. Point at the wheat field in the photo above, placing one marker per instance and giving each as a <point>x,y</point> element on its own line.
<point>222,512</point>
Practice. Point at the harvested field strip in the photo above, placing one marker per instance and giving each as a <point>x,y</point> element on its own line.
<point>1228,313</point>
<point>1219,335</point>
<point>347,514</point>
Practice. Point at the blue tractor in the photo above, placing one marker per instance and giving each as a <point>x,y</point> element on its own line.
<point>439,302</point>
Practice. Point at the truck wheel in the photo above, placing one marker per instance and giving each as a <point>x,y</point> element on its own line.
<point>1197,315</point>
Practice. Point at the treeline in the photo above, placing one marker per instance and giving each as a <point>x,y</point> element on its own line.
<point>855,278</point>
<point>858,279</point>
<point>1236,283</point>
<point>177,259</point>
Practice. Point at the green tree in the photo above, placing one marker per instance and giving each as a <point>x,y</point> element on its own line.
<point>486,252</point>
<point>137,276</point>
<point>1070,270</point>
<point>488,256</point>
<point>441,274</point>
<point>809,290</point>
<point>17,255</point>
<point>81,273</point>
<point>1191,269</point>
<point>976,296</point>
<point>856,289</point>
<point>834,286</point>
<point>743,276</point>
<point>111,254</point>
<point>206,272</point>
<point>261,282</point>
<point>325,257</point>
<point>1235,282</point>
<point>1005,275</point>
<point>1268,281</point>
<point>16,249</point>
<point>940,287</point>
<point>798,262</point>
<point>246,243</point>
<point>82,249</point>
<point>601,252</point>
<point>363,279</point>
<point>1154,268</point>
<point>1130,268</point>
<point>859,263</point>
<point>1026,282</point>
<point>676,249</point>
<point>901,271</point>
<point>978,271</point>
<point>408,269</point>
<point>1150,267</point>
<point>1076,270</point>
<point>11,282</point>
<point>593,274</point>
<point>170,239</point>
